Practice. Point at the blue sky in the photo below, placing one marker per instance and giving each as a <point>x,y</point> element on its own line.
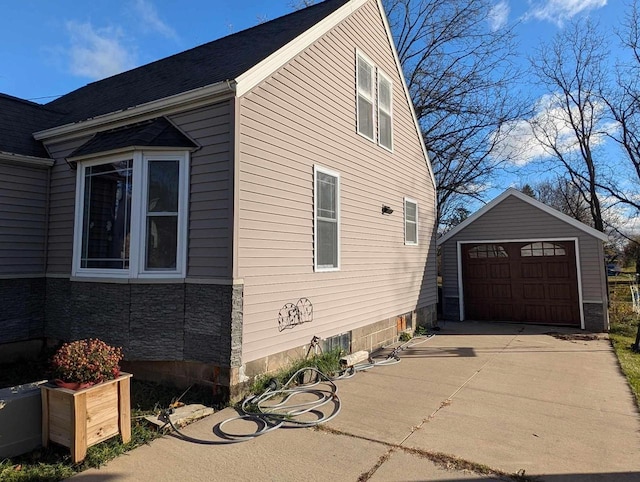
<point>48,48</point>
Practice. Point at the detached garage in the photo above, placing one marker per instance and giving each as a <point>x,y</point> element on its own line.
<point>519,260</point>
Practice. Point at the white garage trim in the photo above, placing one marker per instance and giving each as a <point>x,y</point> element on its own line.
<point>519,240</point>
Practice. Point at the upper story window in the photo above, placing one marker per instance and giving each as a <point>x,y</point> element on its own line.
<point>385,96</point>
<point>326,220</point>
<point>366,75</point>
<point>410,221</point>
<point>374,110</point>
<point>542,249</point>
<point>131,216</point>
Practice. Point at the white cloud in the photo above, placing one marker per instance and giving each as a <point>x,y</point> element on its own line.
<point>499,15</point>
<point>97,53</point>
<point>520,145</point>
<point>150,20</point>
<point>558,11</point>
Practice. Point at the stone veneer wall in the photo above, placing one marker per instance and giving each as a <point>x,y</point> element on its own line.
<point>451,309</point>
<point>22,304</point>
<point>595,317</point>
<point>170,322</point>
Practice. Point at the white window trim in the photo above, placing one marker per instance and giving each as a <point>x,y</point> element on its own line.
<point>360,55</point>
<point>319,169</point>
<point>404,204</point>
<point>137,243</point>
<point>382,76</point>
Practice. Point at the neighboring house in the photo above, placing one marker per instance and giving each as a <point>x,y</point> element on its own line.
<point>213,211</point>
<point>517,259</point>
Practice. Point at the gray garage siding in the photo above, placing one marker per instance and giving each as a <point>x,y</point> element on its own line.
<point>209,234</point>
<point>515,219</point>
<point>312,102</point>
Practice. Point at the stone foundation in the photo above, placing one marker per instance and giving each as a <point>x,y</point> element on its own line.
<point>370,338</point>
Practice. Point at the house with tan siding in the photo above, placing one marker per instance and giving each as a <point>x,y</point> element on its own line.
<point>214,211</point>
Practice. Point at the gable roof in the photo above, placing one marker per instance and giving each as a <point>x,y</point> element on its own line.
<point>222,60</point>
<point>18,120</point>
<point>511,192</point>
<point>233,64</point>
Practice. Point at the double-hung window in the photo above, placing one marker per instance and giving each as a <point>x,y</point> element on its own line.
<point>410,221</point>
<point>365,82</point>
<point>374,110</point>
<point>131,215</point>
<point>327,220</point>
<point>385,96</point>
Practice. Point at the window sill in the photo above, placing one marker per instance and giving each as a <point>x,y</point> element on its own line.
<point>110,279</point>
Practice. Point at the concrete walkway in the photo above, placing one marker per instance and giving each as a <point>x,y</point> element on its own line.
<point>475,402</point>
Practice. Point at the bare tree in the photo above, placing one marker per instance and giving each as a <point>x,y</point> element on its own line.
<point>300,4</point>
<point>623,101</point>
<point>563,195</point>
<point>572,68</point>
<point>459,73</point>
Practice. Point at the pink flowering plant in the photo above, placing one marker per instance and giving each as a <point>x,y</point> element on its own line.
<point>86,362</point>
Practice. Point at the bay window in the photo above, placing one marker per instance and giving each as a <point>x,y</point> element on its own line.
<point>131,215</point>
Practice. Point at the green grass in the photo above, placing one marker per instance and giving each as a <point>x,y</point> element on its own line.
<point>624,327</point>
<point>54,463</point>
<point>328,363</point>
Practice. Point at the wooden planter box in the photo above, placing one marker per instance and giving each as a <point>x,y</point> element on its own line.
<point>81,418</point>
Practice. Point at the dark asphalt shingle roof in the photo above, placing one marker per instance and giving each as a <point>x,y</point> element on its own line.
<point>158,132</point>
<point>217,61</point>
<point>19,119</point>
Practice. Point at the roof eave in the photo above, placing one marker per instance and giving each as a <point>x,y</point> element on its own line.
<point>213,91</point>
<point>23,159</point>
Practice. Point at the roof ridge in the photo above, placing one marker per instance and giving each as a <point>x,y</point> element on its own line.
<point>29,103</point>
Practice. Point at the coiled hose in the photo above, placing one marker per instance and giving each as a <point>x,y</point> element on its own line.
<point>293,404</point>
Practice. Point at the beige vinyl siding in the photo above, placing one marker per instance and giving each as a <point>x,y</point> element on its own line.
<point>23,199</point>
<point>210,236</point>
<point>515,219</point>
<point>304,115</point>
<point>209,242</point>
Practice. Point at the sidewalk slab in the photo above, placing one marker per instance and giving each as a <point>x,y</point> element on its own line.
<point>563,409</point>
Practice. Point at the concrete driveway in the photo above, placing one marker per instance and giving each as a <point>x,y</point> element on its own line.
<point>478,401</point>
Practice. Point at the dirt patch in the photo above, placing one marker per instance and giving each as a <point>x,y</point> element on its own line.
<point>573,336</point>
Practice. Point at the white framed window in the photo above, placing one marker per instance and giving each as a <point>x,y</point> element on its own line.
<point>385,112</point>
<point>365,81</point>
<point>131,215</point>
<point>326,219</point>
<point>410,221</point>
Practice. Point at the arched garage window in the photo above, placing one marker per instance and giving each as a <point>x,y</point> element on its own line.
<point>542,249</point>
<point>487,251</point>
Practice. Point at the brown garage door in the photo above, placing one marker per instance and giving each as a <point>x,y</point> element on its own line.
<point>525,282</point>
